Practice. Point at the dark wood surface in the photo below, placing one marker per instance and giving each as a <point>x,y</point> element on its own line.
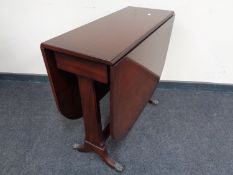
<point>134,78</point>
<point>123,53</point>
<point>109,38</point>
<point>64,87</point>
<point>64,84</point>
<point>94,135</point>
<point>91,112</point>
<point>131,88</point>
<point>93,70</point>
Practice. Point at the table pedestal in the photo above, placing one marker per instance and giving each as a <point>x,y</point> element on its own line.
<point>94,136</point>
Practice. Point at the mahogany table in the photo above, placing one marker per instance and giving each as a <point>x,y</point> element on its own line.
<point>122,53</point>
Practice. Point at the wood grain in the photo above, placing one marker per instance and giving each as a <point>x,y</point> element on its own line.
<point>123,52</point>
<point>134,78</point>
<point>109,38</point>
<point>131,88</point>
<point>64,87</point>
<point>95,71</point>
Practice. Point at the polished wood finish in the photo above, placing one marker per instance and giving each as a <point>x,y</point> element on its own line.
<point>109,38</point>
<point>95,71</point>
<point>64,87</point>
<point>124,54</point>
<point>91,112</point>
<point>131,88</point>
<point>151,53</point>
<point>94,136</point>
<point>134,78</point>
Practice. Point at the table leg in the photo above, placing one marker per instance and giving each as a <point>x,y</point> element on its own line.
<point>154,102</point>
<point>94,136</point>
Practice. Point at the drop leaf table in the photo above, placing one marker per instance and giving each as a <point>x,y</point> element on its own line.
<point>123,54</point>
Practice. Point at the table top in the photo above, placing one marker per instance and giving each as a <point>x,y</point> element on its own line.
<point>110,38</point>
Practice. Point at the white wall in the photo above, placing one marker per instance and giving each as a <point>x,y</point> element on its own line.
<point>201,47</point>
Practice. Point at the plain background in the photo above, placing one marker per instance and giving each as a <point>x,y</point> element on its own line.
<point>201,47</point>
